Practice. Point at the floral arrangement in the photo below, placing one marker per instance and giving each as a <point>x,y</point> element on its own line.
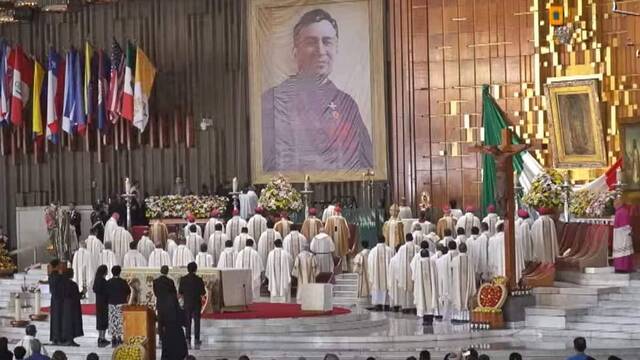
<point>602,205</point>
<point>176,206</point>
<point>132,350</point>
<point>7,266</point>
<point>546,191</point>
<point>580,202</point>
<point>279,195</point>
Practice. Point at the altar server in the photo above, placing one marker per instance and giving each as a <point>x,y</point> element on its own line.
<point>248,258</point>
<point>406,254</point>
<point>378,265</point>
<point>283,226</point>
<point>182,256</point>
<point>94,246</point>
<point>110,226</point>
<point>210,226</point>
<point>227,259</point>
<point>294,242</point>
<point>467,221</point>
<point>133,258</point>
<point>446,222</point>
<point>204,259</point>
<point>145,245</point>
<point>242,239</point>
<point>159,257</point>
<point>83,268</point>
<point>496,259</point>
<point>235,225</point>
<point>463,284</point>
<point>305,269</point>
<point>193,240</point>
<point>108,257</point>
<point>216,240</point>
<point>257,224</point>
<point>191,221</point>
<point>491,219</point>
<point>311,225</point>
<point>425,296</point>
<point>267,241</point>
<point>121,240</point>
<point>278,271</point>
<point>322,247</point>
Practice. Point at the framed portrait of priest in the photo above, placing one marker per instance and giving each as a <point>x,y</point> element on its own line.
<point>316,79</point>
<point>577,137</point>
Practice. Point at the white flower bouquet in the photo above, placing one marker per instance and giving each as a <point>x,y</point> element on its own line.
<point>176,206</point>
<point>280,196</point>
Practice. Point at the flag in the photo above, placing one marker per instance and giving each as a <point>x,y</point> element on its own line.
<point>55,94</point>
<point>22,80</point>
<point>114,96</point>
<point>88,57</point>
<point>79,117</point>
<point>145,75</point>
<point>90,83</point>
<point>36,113</point>
<point>127,92</point>
<point>69,96</point>
<point>103,90</point>
<point>606,181</point>
<point>5,92</point>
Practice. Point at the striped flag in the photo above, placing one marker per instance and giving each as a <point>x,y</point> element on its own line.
<point>55,94</point>
<point>69,97</point>
<point>79,117</point>
<point>103,89</point>
<point>5,88</point>
<point>114,97</point>
<point>22,80</point>
<point>145,75</point>
<point>36,109</point>
<point>127,92</point>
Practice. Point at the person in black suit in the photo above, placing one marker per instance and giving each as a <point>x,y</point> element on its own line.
<point>118,292</point>
<point>102,306</point>
<point>192,290</point>
<point>166,299</point>
<point>57,302</point>
<point>75,219</point>
<point>72,310</point>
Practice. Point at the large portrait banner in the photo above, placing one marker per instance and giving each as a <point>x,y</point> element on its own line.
<point>317,89</point>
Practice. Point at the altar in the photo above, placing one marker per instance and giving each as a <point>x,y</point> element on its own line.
<point>226,289</point>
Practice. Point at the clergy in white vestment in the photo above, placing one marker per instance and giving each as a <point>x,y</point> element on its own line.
<point>227,259</point>
<point>526,218</point>
<point>145,245</point>
<point>267,241</point>
<point>396,299</point>
<point>446,238</point>
<point>305,269</point>
<point>337,228</point>
<point>330,210</point>
<point>204,259</point>
<point>496,259</point>
<point>322,247</point>
<point>425,295</point>
<point>159,257</point>
<point>425,225</point>
<point>108,258</point>
<point>491,219</point>
<point>172,245</point>
<point>294,242</point>
<point>379,260</point>
<point>461,238</point>
<point>217,241</point>
<point>463,284</point>
<point>235,225</point>
<point>191,222</point>
<point>418,235</point>
<point>193,240</point>
<point>524,245</point>
<point>405,255</point>
<point>257,224</point>
<point>249,259</point>
<point>83,268</point>
<point>404,210</point>
<point>311,225</point>
<point>95,247</point>
<point>455,212</point>
<point>278,271</point>
<point>248,203</point>
<point>110,226</point>
<point>468,220</point>
<point>242,239</point>
<point>210,227</point>
<point>283,226</point>
<point>133,258</point>
<point>443,265</point>
<point>478,249</point>
<point>433,239</point>
<point>545,238</point>
<point>446,222</point>
<point>182,256</point>
<point>361,266</point>
<point>121,240</point>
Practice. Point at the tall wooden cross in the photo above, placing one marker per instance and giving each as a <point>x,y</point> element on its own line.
<point>504,153</point>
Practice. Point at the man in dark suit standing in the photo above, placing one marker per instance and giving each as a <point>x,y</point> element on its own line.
<point>56,283</point>
<point>166,295</point>
<point>192,290</point>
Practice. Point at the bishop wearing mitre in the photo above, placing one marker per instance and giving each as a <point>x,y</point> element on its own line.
<point>305,269</point>
<point>249,259</point>
<point>278,271</point>
<point>338,229</point>
<point>393,229</point>
<point>447,221</point>
<point>311,225</point>
<point>210,226</point>
<point>379,260</point>
<point>257,224</point>
<point>159,233</point>
<point>283,226</point>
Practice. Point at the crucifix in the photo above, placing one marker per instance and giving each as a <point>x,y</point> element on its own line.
<point>503,154</point>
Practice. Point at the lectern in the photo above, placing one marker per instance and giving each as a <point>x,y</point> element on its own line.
<point>140,320</point>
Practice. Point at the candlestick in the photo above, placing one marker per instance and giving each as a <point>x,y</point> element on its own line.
<point>306,182</point>
<point>36,302</point>
<point>127,186</point>
<point>235,184</point>
<point>18,307</point>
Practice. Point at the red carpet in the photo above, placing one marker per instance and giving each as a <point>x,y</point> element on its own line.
<point>256,311</point>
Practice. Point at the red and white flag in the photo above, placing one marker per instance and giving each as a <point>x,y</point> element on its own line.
<point>606,181</point>
<point>22,80</point>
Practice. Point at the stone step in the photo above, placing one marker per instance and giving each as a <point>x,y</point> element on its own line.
<point>612,311</point>
<point>347,282</point>
<point>342,293</point>
<point>630,290</point>
<point>599,270</point>
<point>347,276</point>
<point>587,326</point>
<point>632,305</point>
<point>623,297</point>
<point>345,288</point>
<point>606,279</point>
<point>599,319</point>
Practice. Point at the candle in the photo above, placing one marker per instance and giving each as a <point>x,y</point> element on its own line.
<point>127,186</point>
<point>37,302</point>
<point>306,183</point>
<point>235,184</point>
<point>18,307</point>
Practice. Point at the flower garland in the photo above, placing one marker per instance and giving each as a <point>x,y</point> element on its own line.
<point>176,206</point>
<point>546,191</point>
<point>279,195</point>
<point>602,205</point>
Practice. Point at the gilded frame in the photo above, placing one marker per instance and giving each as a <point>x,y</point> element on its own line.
<point>556,129</point>
<point>627,167</point>
<point>378,103</point>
